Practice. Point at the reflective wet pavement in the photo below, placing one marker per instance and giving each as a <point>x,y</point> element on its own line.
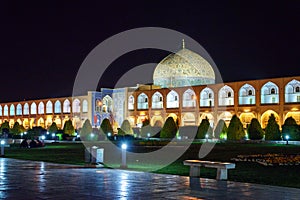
<point>39,180</point>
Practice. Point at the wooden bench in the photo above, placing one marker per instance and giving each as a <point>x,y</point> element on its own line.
<point>221,167</point>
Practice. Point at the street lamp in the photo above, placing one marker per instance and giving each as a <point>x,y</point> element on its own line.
<point>2,147</point>
<point>124,147</point>
<point>206,137</point>
<point>287,137</point>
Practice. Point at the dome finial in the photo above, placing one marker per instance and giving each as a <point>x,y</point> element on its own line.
<point>183,44</point>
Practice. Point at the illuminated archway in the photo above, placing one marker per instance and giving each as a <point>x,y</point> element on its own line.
<point>188,119</point>
<point>41,108</point>
<point>26,123</point>
<point>226,96</point>
<point>49,107</point>
<point>26,109</point>
<point>247,95</point>
<point>19,110</point>
<point>172,99</point>
<point>207,97</point>
<point>131,102</point>
<point>209,116</point>
<point>142,101</point>
<point>41,122</point>
<point>246,118</point>
<point>292,92</point>
<point>295,115</point>
<point>157,100</point>
<point>265,117</point>
<point>226,116</point>
<point>189,99</point>
<point>157,121</point>
<point>76,106</point>
<point>12,110</point>
<point>269,93</point>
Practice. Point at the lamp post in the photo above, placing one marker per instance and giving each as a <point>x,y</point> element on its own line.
<point>124,147</point>
<point>2,147</point>
<point>287,137</point>
<point>206,137</point>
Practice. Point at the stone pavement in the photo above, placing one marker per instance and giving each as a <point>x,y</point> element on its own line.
<point>39,180</point>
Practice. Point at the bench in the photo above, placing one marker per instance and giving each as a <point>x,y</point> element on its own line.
<point>222,167</point>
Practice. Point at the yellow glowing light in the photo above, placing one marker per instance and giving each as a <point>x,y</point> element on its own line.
<point>295,109</point>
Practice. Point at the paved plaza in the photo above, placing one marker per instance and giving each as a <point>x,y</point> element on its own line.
<point>40,180</point>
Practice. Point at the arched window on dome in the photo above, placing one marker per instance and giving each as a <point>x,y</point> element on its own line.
<point>207,97</point>
<point>33,109</point>
<point>84,106</point>
<point>225,96</point>
<point>131,102</point>
<point>57,107</point>
<point>49,107</point>
<point>107,104</point>
<point>12,110</point>
<point>26,109</point>
<point>189,99</point>
<point>41,108</point>
<point>172,99</point>
<point>76,106</point>
<point>0,110</point>
<point>269,93</point>
<point>142,101</point>
<point>19,109</point>
<point>67,106</point>
<point>292,90</point>
<point>247,95</point>
<point>5,112</point>
<point>157,100</point>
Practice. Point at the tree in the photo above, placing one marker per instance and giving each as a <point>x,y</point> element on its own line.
<point>204,129</point>
<point>125,128</point>
<point>16,129</point>
<point>5,127</point>
<point>106,127</point>
<point>255,131</point>
<point>221,130</point>
<point>69,128</point>
<point>272,131</point>
<point>146,128</point>
<point>86,130</point>
<point>53,128</point>
<point>235,129</point>
<point>169,129</point>
<point>290,128</point>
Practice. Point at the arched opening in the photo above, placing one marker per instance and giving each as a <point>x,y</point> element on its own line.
<point>295,115</point>
<point>76,106</point>
<point>41,108</point>
<point>247,95</point>
<point>19,110</point>
<point>41,122</point>
<point>189,99</point>
<point>265,117</point>
<point>57,120</point>
<point>66,106</point>
<point>157,121</point>
<point>26,109</point>
<point>33,109</point>
<point>142,101</point>
<point>188,119</point>
<point>12,110</point>
<point>226,116</point>
<point>5,112</point>
<point>49,107</point>
<point>207,98</point>
<point>57,107</point>
<point>26,123</point>
<point>269,93</point>
<point>84,106</point>
<point>209,116</point>
<point>246,118</point>
<point>292,90</point>
<point>107,104</point>
<point>225,96</point>
<point>0,111</point>
<point>131,102</point>
<point>157,100</point>
<point>172,99</point>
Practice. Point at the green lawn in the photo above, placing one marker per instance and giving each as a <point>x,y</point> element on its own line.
<point>244,172</point>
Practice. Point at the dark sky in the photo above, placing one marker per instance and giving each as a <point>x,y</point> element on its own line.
<point>43,45</point>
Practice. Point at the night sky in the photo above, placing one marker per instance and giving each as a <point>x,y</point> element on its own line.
<point>43,45</point>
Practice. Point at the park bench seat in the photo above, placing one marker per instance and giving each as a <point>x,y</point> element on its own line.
<point>222,167</point>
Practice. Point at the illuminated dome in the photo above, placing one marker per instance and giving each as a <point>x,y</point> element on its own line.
<point>185,68</point>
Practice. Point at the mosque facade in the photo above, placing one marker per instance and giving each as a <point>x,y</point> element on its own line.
<point>183,87</point>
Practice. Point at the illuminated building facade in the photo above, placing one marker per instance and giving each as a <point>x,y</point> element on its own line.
<point>183,88</point>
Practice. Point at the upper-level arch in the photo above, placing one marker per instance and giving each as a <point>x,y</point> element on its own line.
<point>226,96</point>
<point>49,107</point>
<point>189,99</point>
<point>247,95</point>
<point>172,99</point>
<point>292,92</point>
<point>207,97</point>
<point>157,100</point>
<point>142,101</point>
<point>269,93</point>
<point>26,109</point>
